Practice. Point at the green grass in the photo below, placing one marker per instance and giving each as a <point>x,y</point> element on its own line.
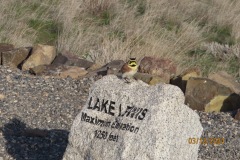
<point>47,31</point>
<point>234,66</point>
<point>205,61</point>
<point>220,34</point>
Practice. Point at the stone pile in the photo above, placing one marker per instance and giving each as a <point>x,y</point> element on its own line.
<point>217,92</point>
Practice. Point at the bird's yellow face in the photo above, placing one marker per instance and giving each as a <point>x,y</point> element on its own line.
<point>132,63</point>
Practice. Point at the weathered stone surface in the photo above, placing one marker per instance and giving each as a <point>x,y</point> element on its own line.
<point>59,60</point>
<point>181,80</point>
<point>150,79</point>
<point>225,79</point>
<point>94,67</point>
<point>157,66</point>
<point>3,48</point>
<point>112,67</point>
<point>133,121</point>
<point>41,55</point>
<point>6,47</point>
<point>74,60</point>
<point>73,72</point>
<point>38,70</point>
<point>145,77</point>
<point>206,95</point>
<point>15,57</point>
<point>155,80</point>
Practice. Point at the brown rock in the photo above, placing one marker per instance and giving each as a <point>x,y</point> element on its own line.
<point>192,72</point>
<point>6,47</point>
<point>149,79</point>
<point>74,60</point>
<point>155,80</point>
<point>15,57</point>
<point>73,72</point>
<point>225,79</point>
<point>145,77</point>
<point>206,95</point>
<point>38,70</point>
<point>59,60</point>
<point>3,48</point>
<point>41,55</point>
<point>237,116</point>
<point>94,67</point>
<point>181,80</point>
<point>157,66</point>
<point>112,67</point>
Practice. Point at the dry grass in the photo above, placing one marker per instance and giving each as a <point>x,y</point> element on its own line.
<point>104,30</point>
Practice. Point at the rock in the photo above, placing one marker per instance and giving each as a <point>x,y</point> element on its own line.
<point>237,116</point>
<point>6,47</point>
<point>155,80</point>
<point>145,77</point>
<point>3,48</point>
<point>73,72</point>
<point>15,57</point>
<point>191,72</point>
<point>74,60</point>
<point>112,67</point>
<point>157,66</point>
<point>38,70</point>
<point>133,121</point>
<point>59,60</point>
<point>206,95</point>
<point>41,55</point>
<point>94,67</point>
<point>150,79</point>
<point>225,79</point>
<point>2,97</point>
<point>181,80</point>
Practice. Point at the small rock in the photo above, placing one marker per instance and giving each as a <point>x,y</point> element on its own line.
<point>73,72</point>
<point>94,67</point>
<point>157,66</point>
<point>3,48</point>
<point>37,70</point>
<point>59,60</point>
<point>145,77</point>
<point>41,55</point>
<point>181,80</point>
<point>2,96</point>
<point>206,95</point>
<point>225,79</point>
<point>15,57</point>
<point>112,67</point>
<point>74,60</point>
<point>6,47</point>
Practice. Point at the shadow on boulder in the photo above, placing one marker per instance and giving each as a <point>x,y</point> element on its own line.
<point>26,143</point>
<point>232,102</point>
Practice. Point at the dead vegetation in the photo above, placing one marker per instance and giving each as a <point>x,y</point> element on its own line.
<point>203,33</point>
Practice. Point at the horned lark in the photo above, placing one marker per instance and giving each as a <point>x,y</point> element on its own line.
<point>129,69</point>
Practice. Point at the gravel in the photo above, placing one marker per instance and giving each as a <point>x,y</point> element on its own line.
<point>36,114</point>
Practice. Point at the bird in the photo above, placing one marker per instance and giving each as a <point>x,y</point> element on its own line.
<point>129,69</point>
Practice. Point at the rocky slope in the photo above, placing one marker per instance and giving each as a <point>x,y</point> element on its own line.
<point>37,112</point>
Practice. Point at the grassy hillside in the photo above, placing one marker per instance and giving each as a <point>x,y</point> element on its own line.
<point>203,33</point>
